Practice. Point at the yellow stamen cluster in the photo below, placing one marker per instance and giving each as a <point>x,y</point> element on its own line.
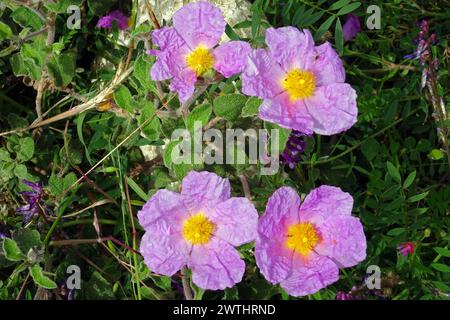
<point>198,229</point>
<point>302,238</point>
<point>200,60</point>
<point>299,84</point>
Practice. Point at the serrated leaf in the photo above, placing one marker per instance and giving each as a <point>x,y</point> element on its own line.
<point>229,106</point>
<point>393,172</point>
<point>26,150</point>
<point>40,279</point>
<point>201,114</point>
<point>27,18</point>
<point>11,250</point>
<point>123,98</point>
<point>251,107</point>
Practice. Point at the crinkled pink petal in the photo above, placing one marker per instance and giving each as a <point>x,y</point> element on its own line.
<point>327,67</point>
<point>309,278</point>
<point>164,251</point>
<point>216,265</point>
<point>290,47</point>
<point>170,59</point>
<point>203,191</point>
<point>163,205</point>
<point>262,76</point>
<point>282,111</point>
<point>184,84</point>
<point>273,258</point>
<point>333,108</point>
<point>324,203</point>
<point>236,221</point>
<point>230,58</point>
<point>343,240</point>
<point>199,23</point>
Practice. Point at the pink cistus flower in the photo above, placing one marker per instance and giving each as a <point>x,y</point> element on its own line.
<point>302,246</point>
<point>406,248</point>
<point>302,84</point>
<point>118,16</point>
<point>188,49</point>
<point>198,228</point>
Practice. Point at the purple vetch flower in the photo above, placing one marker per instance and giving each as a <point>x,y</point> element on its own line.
<point>188,49</point>
<point>423,42</point>
<point>198,228</point>
<point>33,198</point>
<point>302,84</point>
<point>295,146</point>
<point>340,295</point>
<point>118,16</point>
<point>351,27</point>
<point>302,246</point>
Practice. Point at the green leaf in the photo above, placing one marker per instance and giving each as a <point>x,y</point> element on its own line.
<point>418,197</point>
<point>442,251</point>
<point>338,37</point>
<point>98,288</point>
<point>409,179</point>
<point>324,27</point>
<point>370,149</point>
<point>349,8</point>
<point>251,107</point>
<point>436,154</point>
<point>339,4</point>
<point>62,68</point>
<point>40,279</point>
<point>229,106</point>
<point>4,156</point>
<point>26,150</point>
<point>152,129</point>
<point>58,185</point>
<point>393,172</point>
<point>61,6</point>
<point>27,18</point>
<point>28,239</point>
<point>200,113</point>
<point>441,267</point>
<point>11,250</point>
<point>135,187</point>
<point>396,231</point>
<point>5,31</point>
<point>141,72</point>
<point>21,171</point>
<point>123,98</point>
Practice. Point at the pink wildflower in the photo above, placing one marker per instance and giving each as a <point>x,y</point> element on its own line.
<point>119,17</point>
<point>406,248</point>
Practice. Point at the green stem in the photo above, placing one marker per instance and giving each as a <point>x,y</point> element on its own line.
<point>62,208</point>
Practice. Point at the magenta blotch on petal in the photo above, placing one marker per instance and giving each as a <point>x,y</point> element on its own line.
<point>230,58</point>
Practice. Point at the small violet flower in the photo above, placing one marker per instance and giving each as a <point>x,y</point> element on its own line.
<point>119,17</point>
<point>351,27</point>
<point>302,85</point>
<point>188,49</point>
<point>33,198</point>
<point>294,148</point>
<point>340,295</point>
<point>302,246</point>
<point>406,248</point>
<point>198,228</point>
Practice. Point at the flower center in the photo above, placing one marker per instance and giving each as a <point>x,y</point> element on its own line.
<point>299,84</point>
<point>198,229</point>
<point>200,60</point>
<point>302,238</point>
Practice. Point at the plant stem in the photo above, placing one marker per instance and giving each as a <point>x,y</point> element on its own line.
<point>186,286</point>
